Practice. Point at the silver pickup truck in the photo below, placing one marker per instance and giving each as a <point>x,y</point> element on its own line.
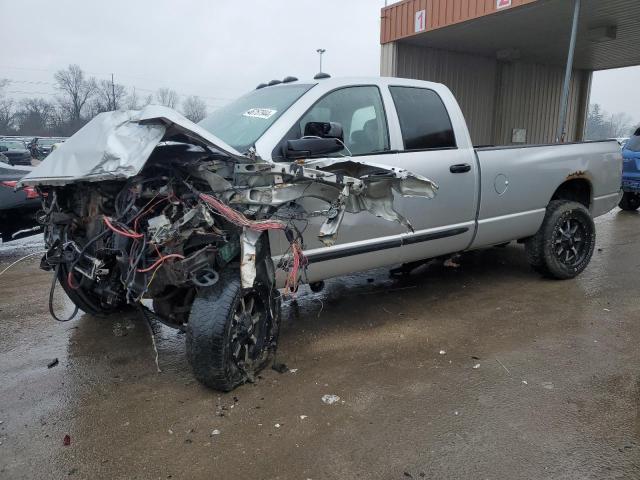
<point>298,181</point>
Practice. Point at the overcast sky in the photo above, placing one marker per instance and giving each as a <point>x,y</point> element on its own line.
<point>217,49</point>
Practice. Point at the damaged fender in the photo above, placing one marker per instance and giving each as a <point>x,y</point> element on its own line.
<point>118,145</point>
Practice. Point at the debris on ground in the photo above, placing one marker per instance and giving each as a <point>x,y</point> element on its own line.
<point>476,366</point>
<point>525,382</point>
<point>452,262</point>
<point>215,432</point>
<point>277,425</point>
<point>302,417</point>
<point>330,399</point>
<point>52,363</point>
<point>443,352</point>
<point>280,367</point>
<point>66,441</point>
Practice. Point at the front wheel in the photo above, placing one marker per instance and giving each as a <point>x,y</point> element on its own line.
<point>232,332</point>
<point>563,246</point>
<point>630,201</point>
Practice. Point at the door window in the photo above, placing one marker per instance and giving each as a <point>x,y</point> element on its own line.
<point>424,119</point>
<point>360,112</point>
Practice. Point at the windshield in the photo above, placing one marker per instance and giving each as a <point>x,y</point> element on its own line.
<point>13,145</point>
<point>244,120</point>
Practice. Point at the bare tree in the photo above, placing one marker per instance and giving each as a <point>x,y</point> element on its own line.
<point>167,97</point>
<point>35,117</point>
<point>7,110</point>
<point>620,125</point>
<point>134,102</point>
<point>194,108</point>
<point>109,96</point>
<point>76,91</point>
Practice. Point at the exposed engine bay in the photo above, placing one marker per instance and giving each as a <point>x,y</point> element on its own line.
<point>189,220</point>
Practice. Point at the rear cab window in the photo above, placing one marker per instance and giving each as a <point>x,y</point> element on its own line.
<point>424,120</point>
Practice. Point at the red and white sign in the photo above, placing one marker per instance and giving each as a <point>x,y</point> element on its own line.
<point>421,21</point>
<point>503,4</point>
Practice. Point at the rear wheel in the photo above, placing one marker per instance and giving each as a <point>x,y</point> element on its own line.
<point>232,332</point>
<point>630,201</point>
<point>563,246</point>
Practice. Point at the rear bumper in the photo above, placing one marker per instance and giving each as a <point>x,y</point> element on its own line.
<point>631,183</point>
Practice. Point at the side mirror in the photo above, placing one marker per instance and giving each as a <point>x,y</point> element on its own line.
<point>312,147</point>
<point>324,130</point>
<point>4,148</point>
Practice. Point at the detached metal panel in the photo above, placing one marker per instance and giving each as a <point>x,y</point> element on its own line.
<point>471,78</point>
<point>398,20</point>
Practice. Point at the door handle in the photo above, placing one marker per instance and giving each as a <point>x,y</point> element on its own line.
<point>460,168</point>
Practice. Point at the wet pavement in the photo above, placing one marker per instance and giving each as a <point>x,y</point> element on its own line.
<point>482,371</point>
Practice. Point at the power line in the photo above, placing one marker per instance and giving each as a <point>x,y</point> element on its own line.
<point>214,102</point>
<point>105,77</point>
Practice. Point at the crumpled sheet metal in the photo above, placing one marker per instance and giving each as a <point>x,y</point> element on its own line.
<point>116,145</point>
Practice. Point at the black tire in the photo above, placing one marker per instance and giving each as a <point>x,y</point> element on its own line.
<point>630,201</point>
<point>86,300</point>
<point>563,246</point>
<point>213,335</point>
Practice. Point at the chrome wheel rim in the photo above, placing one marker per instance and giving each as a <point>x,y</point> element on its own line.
<point>570,242</point>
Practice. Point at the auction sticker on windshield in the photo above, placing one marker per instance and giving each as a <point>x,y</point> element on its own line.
<point>263,113</point>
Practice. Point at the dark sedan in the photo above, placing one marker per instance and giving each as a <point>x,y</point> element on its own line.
<point>16,152</point>
<point>17,208</point>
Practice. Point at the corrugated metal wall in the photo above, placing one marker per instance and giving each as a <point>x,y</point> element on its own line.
<point>496,97</point>
<point>529,98</point>
<point>471,78</point>
<point>388,53</point>
<point>398,20</point>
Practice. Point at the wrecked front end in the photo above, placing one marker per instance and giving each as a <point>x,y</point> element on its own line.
<point>151,207</point>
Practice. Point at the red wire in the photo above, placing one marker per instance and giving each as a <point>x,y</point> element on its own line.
<point>121,232</point>
<point>147,210</point>
<point>159,261</point>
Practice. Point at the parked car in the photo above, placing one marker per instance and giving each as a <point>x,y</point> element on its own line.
<point>208,220</point>
<point>41,147</point>
<point>17,208</point>
<point>631,173</point>
<point>16,151</point>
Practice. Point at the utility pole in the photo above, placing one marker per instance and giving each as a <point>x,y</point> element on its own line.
<point>321,52</point>
<point>113,93</point>
<point>564,102</point>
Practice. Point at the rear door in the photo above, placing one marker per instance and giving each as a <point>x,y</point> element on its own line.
<point>429,145</point>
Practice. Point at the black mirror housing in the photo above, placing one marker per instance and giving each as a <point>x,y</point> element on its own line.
<point>324,130</point>
<point>312,147</point>
<point>3,148</point>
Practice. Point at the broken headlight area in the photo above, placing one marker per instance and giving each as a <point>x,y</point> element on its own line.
<point>156,237</point>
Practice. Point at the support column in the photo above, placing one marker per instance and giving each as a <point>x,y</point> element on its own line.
<point>564,105</point>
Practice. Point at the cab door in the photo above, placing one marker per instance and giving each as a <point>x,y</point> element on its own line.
<point>371,127</point>
<point>429,145</point>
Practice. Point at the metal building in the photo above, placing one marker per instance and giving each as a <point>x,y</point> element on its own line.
<point>506,60</point>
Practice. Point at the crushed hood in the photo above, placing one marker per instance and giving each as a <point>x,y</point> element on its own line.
<point>116,145</point>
